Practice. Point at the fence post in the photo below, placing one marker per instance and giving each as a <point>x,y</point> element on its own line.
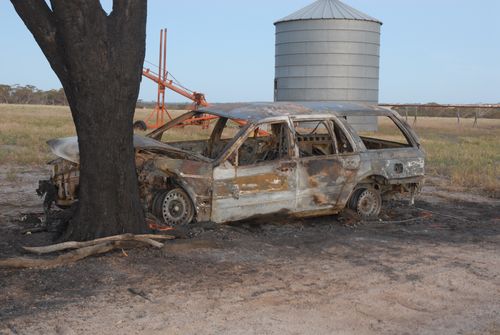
<point>475,119</point>
<point>458,117</point>
<point>415,119</point>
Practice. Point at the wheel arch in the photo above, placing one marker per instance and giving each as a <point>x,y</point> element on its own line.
<point>374,180</point>
<point>174,181</point>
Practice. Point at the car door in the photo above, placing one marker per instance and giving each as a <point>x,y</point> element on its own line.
<point>326,164</point>
<point>259,175</point>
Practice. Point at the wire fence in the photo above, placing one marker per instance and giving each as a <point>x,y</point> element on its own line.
<point>476,113</point>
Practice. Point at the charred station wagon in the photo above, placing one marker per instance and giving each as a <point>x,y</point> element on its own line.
<point>256,159</point>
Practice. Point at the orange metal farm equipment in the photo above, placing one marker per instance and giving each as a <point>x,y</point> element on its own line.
<point>158,116</point>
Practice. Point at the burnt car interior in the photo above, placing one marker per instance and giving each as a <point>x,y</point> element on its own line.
<point>224,131</point>
<point>268,142</point>
<point>314,138</point>
<point>210,143</point>
<point>387,136</point>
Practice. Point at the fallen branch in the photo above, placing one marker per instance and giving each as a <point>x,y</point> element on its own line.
<point>83,250</point>
<point>394,222</point>
<point>70,257</point>
<point>147,239</point>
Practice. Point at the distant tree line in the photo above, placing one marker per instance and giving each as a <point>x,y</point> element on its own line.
<point>31,95</point>
<point>435,110</point>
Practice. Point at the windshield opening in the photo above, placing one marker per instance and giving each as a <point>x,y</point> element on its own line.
<point>207,137</point>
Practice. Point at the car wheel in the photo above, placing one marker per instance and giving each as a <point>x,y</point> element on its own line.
<point>140,125</point>
<point>367,202</point>
<point>174,207</point>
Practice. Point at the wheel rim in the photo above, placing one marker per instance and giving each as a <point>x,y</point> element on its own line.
<point>369,203</point>
<point>176,208</point>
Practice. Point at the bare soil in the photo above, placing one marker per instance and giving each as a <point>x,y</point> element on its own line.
<point>429,269</point>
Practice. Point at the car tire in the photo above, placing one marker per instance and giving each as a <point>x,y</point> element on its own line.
<point>174,207</point>
<point>140,125</point>
<point>367,202</point>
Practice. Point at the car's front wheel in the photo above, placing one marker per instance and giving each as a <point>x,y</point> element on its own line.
<point>174,207</point>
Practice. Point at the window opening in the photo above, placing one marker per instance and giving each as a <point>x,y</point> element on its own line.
<point>314,138</point>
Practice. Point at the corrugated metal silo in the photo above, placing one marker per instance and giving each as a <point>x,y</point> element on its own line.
<point>328,51</point>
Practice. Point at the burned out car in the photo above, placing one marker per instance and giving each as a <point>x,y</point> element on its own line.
<point>304,159</point>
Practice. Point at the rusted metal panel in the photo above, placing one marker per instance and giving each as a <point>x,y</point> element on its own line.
<point>256,112</point>
<point>320,182</point>
<point>242,192</point>
<point>194,177</point>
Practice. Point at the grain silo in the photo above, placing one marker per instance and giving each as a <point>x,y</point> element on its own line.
<point>328,51</point>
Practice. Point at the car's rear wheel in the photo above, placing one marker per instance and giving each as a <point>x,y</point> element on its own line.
<point>367,202</point>
<point>174,207</point>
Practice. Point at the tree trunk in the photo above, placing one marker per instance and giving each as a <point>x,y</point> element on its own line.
<point>108,191</point>
<point>98,59</point>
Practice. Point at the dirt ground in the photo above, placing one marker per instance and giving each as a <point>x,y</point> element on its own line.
<point>434,269</point>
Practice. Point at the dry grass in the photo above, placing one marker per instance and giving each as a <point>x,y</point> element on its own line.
<point>469,157</point>
<point>466,156</point>
<point>25,129</point>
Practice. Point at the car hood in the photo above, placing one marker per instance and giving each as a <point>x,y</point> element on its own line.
<point>67,148</point>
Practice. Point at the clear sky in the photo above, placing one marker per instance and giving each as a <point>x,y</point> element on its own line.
<point>445,51</point>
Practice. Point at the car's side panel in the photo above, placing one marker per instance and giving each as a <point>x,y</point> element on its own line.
<point>242,192</point>
<point>323,180</point>
<point>194,177</point>
<point>263,188</point>
<point>392,164</point>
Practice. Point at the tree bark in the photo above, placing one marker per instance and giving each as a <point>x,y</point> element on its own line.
<point>98,59</point>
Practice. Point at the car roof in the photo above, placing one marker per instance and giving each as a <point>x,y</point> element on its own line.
<point>259,111</point>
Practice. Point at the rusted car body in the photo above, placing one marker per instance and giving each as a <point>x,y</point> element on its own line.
<point>295,158</point>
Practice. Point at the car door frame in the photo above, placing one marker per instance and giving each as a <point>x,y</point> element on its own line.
<point>240,192</point>
<point>323,181</point>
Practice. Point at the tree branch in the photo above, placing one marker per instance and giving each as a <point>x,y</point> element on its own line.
<point>128,20</point>
<point>82,30</point>
<point>40,21</point>
<point>127,25</point>
<point>126,8</point>
<point>77,9</point>
<point>84,250</point>
<point>70,257</point>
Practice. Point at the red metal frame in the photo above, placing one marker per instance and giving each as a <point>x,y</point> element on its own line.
<point>161,78</point>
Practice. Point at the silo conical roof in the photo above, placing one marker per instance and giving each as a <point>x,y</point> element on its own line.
<point>328,9</point>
